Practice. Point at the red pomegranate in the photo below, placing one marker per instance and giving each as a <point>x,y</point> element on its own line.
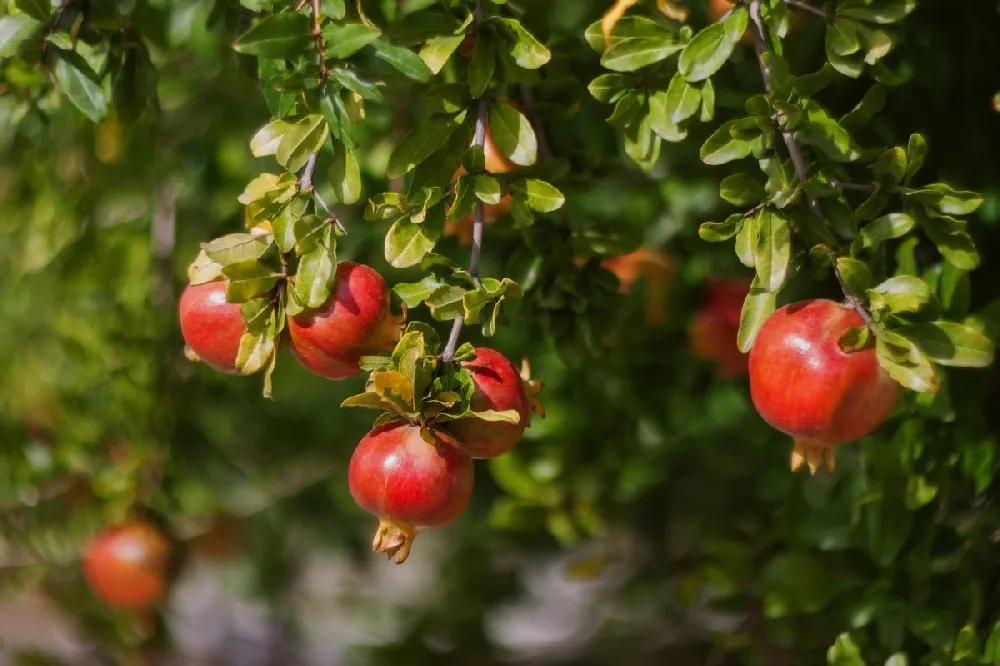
<point>408,482</point>
<point>498,387</point>
<point>355,321</point>
<point>211,325</point>
<point>713,330</point>
<point>127,566</point>
<point>806,386</point>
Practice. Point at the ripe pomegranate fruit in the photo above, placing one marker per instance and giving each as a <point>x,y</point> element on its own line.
<point>354,322</point>
<point>127,566</point>
<point>211,325</point>
<point>498,387</point>
<point>806,386</point>
<point>713,329</point>
<point>408,482</point>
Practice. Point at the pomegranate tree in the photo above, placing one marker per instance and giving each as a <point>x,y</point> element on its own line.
<point>806,385</point>
<point>409,478</point>
<point>212,326</point>
<point>354,322</point>
<point>127,566</point>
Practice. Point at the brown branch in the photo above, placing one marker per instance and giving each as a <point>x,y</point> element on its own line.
<point>795,153</point>
<point>806,7</point>
<point>478,214</point>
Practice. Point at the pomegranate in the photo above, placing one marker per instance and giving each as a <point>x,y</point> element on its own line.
<point>354,322</point>
<point>713,329</point>
<point>652,266</point>
<point>806,386</point>
<point>408,482</point>
<point>498,387</point>
<point>127,566</point>
<point>211,325</point>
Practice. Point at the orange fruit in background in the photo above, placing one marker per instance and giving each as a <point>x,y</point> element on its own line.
<point>655,268</point>
<point>713,330</point>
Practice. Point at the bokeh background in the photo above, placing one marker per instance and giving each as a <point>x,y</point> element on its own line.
<point>650,518</point>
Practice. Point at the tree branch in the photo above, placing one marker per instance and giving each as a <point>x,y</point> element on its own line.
<point>806,7</point>
<point>478,215</point>
<point>795,152</point>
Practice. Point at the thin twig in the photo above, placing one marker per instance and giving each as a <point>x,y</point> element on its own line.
<point>317,35</point>
<point>795,153</point>
<point>856,187</point>
<point>478,215</point>
<point>806,7</point>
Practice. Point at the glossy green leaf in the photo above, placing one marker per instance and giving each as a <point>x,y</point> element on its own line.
<point>723,147</point>
<point>512,133</point>
<point>844,652</point>
<point>276,36</point>
<point>757,307</point>
<point>819,129</point>
<point>344,40</point>
<point>905,362</point>
<point>267,139</point>
<point>741,189</point>
<point>527,51</point>
<point>882,11</point>
<point>481,67</point>
<point>876,232</point>
<point>406,243</point>
<point>540,195</point>
<point>81,85</point>
<point>345,175</point>
<point>773,252</point>
<point>709,50</point>
<point>15,29</point>
<point>902,293</point>
<point>639,42</point>
<point>301,140</point>
<point>316,271</point>
<point>438,50</point>
<point>418,145</point>
<point>683,99</point>
<point>236,248</point>
<point>403,60</point>
<point>855,273</point>
<point>715,232</point>
<point>951,344</point>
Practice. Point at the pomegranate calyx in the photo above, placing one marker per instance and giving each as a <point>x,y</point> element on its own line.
<point>394,538</point>
<point>191,355</point>
<point>532,387</point>
<point>814,453</point>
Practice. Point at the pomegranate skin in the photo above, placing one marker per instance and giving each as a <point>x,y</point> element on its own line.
<point>498,387</point>
<point>211,325</point>
<point>804,385</point>
<point>396,474</point>
<point>126,566</point>
<point>354,322</point>
<point>713,330</point>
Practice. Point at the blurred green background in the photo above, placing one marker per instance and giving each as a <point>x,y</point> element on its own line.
<point>650,518</point>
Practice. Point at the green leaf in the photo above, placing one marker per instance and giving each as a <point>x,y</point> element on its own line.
<point>236,248</point>
<point>81,85</point>
<point>723,147</point>
<point>773,253</point>
<point>741,189</point>
<point>638,42</point>
<point>819,129</point>
<point>746,241</point>
<point>15,29</point>
<point>487,189</point>
<point>267,139</point>
<point>344,40</point>
<point>905,362</point>
<point>406,243</point>
<point>951,344</point>
<point>345,175</point>
<point>276,36</point>
<point>682,101</point>
<point>658,118</point>
<point>540,195</point>
<point>249,279</point>
<point>716,232</point>
<point>883,11</point>
<point>415,293</point>
<point>957,248</point>
<point>37,9</point>
<point>887,227</point>
<point>891,165</point>
<point>608,87</point>
<point>757,307</point>
<point>284,223</point>
<point>842,37</point>
<point>855,273</point>
<point>946,199</point>
<point>438,50</point>
<point>512,133</point>
<point>257,350</point>
<point>527,51</point>
<point>446,303</point>
<point>301,140</point>
<point>707,101</point>
<point>481,67</point>
<point>844,652</point>
<point>403,60</point>
<point>916,152</point>
<point>902,293</point>
<point>418,145</point>
<point>317,270</point>
<point>709,50</point>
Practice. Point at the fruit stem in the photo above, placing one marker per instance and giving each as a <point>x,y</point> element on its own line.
<point>479,140</point>
<point>759,33</point>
